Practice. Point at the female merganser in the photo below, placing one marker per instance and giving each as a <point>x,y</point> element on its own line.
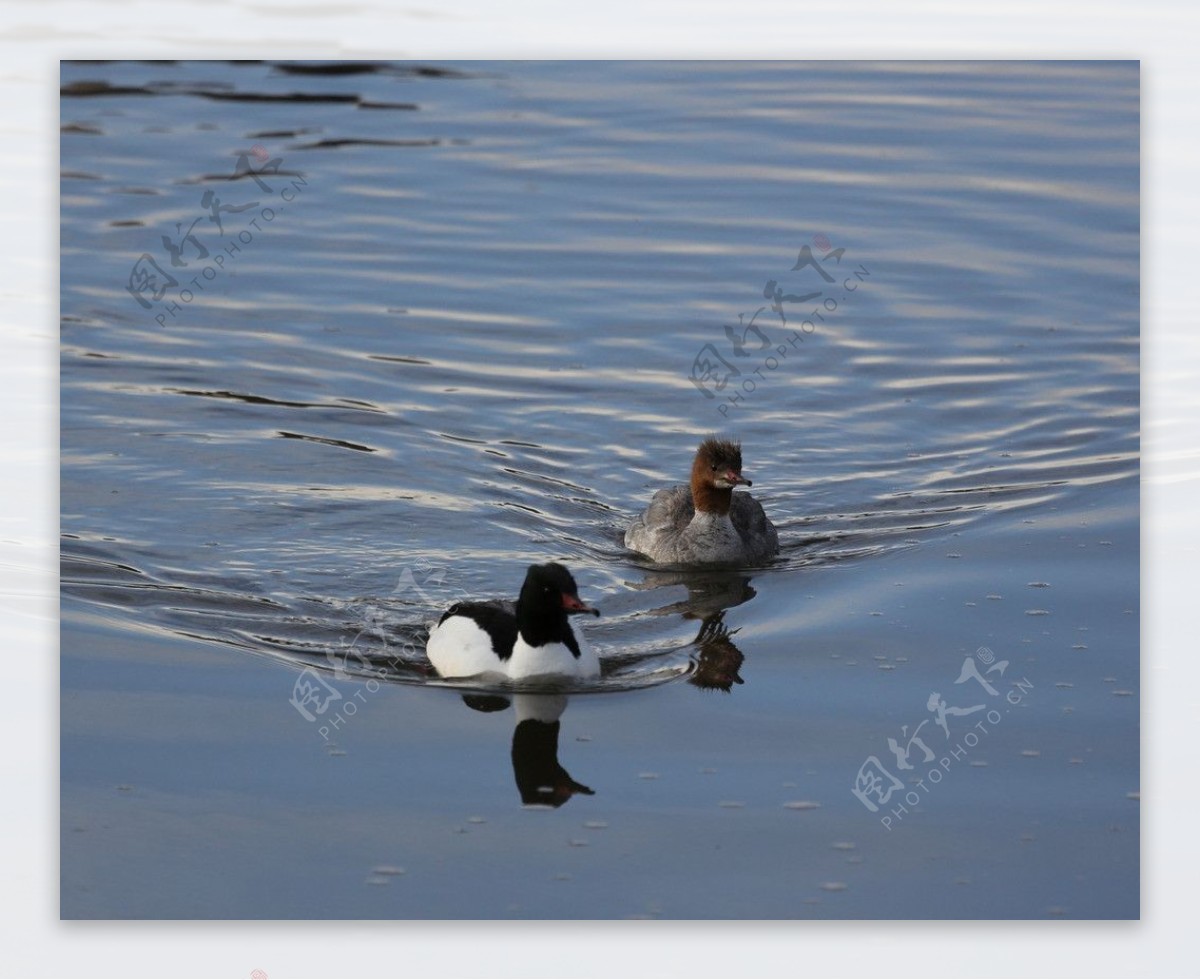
<point>529,638</point>
<point>706,522</point>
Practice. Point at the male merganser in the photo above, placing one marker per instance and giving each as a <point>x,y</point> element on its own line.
<point>530,638</point>
<point>706,522</point>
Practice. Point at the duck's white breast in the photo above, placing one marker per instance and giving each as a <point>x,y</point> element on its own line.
<point>712,537</point>
<point>554,658</point>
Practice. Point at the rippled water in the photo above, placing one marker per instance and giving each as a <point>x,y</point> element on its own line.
<point>456,319</point>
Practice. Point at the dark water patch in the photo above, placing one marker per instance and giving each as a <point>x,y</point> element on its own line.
<point>401,106</point>
<point>334,143</point>
<point>88,89</point>
<point>339,443</point>
<point>268,134</point>
<point>397,358</point>
<point>280,402</point>
<point>212,90</point>
<point>426,71</point>
<point>301,98</point>
<point>337,68</point>
<point>464,439</point>
<point>545,478</point>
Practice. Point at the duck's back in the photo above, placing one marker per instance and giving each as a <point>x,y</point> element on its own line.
<point>753,526</point>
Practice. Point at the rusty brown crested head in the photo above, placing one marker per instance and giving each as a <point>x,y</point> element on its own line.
<point>716,470</point>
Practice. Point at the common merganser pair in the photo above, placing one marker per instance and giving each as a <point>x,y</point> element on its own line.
<point>704,523</point>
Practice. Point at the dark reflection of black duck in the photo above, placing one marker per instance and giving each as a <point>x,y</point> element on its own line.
<point>541,780</point>
<point>719,659</point>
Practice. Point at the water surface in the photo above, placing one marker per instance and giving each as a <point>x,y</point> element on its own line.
<point>432,323</point>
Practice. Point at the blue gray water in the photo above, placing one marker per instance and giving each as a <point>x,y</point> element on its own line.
<point>342,344</point>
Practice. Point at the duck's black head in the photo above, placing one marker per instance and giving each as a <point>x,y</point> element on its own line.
<point>550,588</point>
<point>547,597</point>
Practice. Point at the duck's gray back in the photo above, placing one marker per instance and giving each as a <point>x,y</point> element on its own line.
<point>759,534</point>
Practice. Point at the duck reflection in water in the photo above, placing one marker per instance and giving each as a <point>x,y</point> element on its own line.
<point>709,594</point>
<point>541,779</point>
<point>719,659</point>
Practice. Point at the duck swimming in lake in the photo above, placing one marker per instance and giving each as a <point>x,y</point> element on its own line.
<point>531,637</point>
<point>706,522</point>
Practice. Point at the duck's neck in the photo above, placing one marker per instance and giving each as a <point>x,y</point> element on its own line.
<point>709,499</point>
<point>539,627</point>
<point>540,623</point>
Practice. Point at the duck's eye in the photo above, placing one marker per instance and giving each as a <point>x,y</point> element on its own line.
<point>714,466</point>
